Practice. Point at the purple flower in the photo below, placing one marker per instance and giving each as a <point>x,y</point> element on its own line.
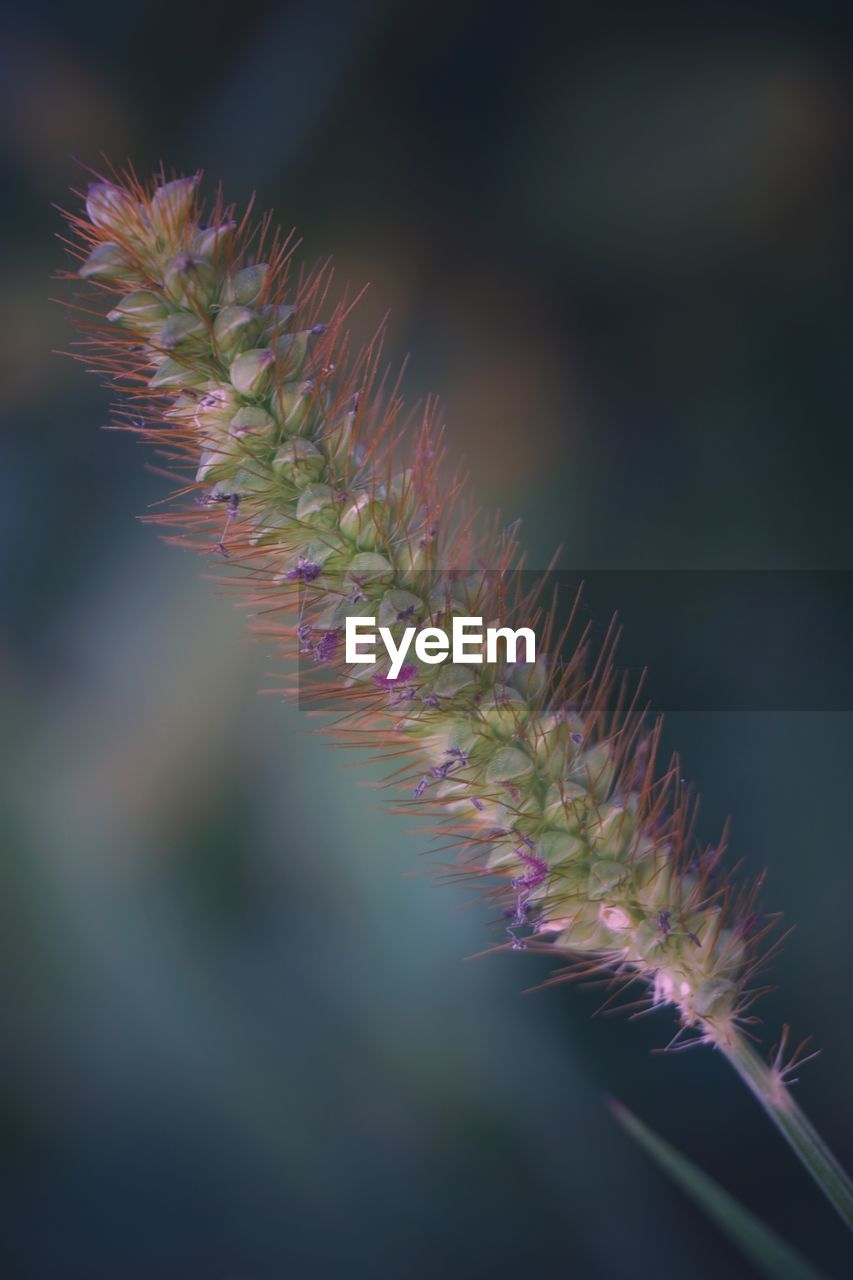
<point>536,870</point>
<point>407,672</point>
<point>305,571</point>
<point>326,646</point>
<point>321,650</point>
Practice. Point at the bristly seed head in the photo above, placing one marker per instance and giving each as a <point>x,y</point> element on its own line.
<point>241,369</point>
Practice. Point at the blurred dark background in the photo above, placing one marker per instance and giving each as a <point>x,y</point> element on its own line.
<point>241,1040</point>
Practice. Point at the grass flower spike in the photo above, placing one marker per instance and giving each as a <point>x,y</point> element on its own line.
<point>296,463</point>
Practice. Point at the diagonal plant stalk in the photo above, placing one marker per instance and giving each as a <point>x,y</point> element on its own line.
<point>768,1085</point>
<point>769,1253</point>
<point>292,461</point>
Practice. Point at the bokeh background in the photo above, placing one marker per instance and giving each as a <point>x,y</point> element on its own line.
<point>241,1039</point>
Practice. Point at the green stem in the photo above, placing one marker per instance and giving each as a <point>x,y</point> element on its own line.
<point>776,1099</point>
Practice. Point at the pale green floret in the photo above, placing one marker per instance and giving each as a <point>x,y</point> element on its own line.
<point>171,203</point>
<point>210,242</point>
<point>107,261</point>
<point>143,309</point>
<point>244,286</point>
<point>236,328</point>
<point>109,207</point>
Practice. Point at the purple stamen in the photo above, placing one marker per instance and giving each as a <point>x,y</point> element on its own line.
<point>536,871</point>
<point>321,650</point>
<point>402,695</point>
<point>326,646</point>
<point>305,571</point>
<point>407,672</point>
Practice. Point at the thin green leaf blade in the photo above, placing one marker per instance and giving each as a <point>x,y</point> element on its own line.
<point>770,1254</point>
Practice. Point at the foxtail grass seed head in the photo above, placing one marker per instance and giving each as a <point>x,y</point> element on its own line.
<point>295,462</point>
